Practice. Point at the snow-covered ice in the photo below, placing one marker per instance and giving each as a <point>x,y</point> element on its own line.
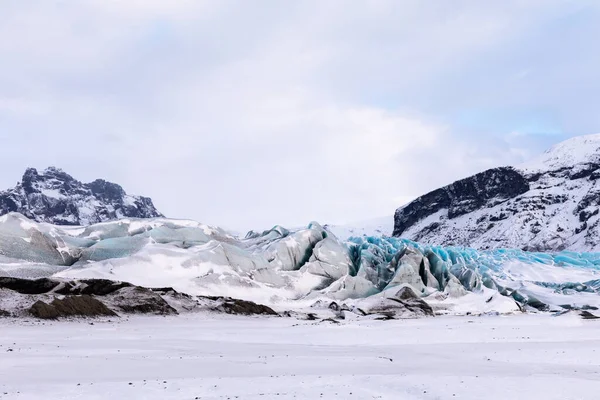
<point>214,357</point>
<point>291,269</point>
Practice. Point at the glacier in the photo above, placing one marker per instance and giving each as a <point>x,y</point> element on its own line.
<point>298,268</point>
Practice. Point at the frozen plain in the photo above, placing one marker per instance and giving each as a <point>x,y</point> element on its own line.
<point>224,357</point>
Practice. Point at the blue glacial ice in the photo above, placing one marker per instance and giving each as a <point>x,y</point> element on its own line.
<point>300,266</point>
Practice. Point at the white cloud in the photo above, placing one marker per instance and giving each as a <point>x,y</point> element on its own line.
<point>248,114</point>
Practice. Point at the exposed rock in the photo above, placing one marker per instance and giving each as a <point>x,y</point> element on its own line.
<point>311,317</point>
<point>549,204</point>
<point>139,300</point>
<point>39,309</point>
<point>462,197</point>
<point>588,315</point>
<point>406,294</point>
<point>28,286</point>
<point>392,307</point>
<point>242,307</point>
<point>84,306</point>
<point>4,313</point>
<point>98,287</point>
<point>56,197</point>
<point>81,299</point>
<point>588,307</point>
<point>70,306</point>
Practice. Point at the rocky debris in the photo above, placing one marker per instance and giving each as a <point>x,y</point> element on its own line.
<point>28,286</point>
<point>404,303</point>
<point>55,197</point>
<point>413,302</point>
<point>139,300</point>
<point>588,315</point>
<point>50,299</point>
<point>41,310</point>
<point>240,307</point>
<point>4,313</point>
<point>71,306</point>
<point>98,287</point>
<point>393,308</point>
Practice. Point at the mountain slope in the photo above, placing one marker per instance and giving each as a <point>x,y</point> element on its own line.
<point>55,197</point>
<point>548,204</point>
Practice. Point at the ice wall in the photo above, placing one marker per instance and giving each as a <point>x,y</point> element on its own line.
<point>299,265</point>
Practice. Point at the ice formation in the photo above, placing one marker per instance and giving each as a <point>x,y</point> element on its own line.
<point>299,267</point>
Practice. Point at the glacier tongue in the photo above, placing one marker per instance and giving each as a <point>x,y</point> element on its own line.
<point>296,268</point>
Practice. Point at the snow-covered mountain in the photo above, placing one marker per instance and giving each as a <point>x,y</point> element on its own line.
<point>55,197</point>
<point>548,204</point>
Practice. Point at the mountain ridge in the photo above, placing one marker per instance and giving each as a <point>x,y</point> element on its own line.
<point>548,204</point>
<point>53,196</point>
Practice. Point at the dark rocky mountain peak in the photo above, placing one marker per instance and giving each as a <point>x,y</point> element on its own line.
<point>56,197</point>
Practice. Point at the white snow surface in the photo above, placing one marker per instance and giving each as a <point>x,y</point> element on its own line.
<point>577,150</point>
<point>206,357</point>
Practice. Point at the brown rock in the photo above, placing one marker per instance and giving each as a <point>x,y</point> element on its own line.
<point>243,307</point>
<point>139,300</point>
<point>71,306</point>
<point>85,306</point>
<point>588,315</point>
<point>39,309</point>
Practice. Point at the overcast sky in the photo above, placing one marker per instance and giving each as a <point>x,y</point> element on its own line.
<point>249,113</point>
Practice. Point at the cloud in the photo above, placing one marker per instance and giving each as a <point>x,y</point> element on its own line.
<point>250,114</point>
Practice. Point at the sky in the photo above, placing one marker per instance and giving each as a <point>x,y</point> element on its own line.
<point>246,114</point>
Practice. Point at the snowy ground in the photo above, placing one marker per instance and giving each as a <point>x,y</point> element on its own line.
<point>200,357</point>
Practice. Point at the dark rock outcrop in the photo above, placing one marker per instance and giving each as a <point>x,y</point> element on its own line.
<point>71,306</point>
<point>98,287</point>
<point>550,204</point>
<point>241,307</point>
<point>588,315</point>
<point>140,300</point>
<point>41,310</point>
<point>55,197</point>
<point>102,297</point>
<point>463,196</point>
<point>28,286</point>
